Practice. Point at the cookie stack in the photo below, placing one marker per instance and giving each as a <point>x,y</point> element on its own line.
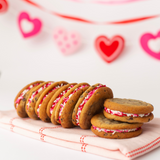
<point>72,104</point>
<point>121,118</point>
<point>68,104</point>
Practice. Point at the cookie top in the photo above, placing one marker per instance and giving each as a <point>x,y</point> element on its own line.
<point>101,121</point>
<point>128,106</point>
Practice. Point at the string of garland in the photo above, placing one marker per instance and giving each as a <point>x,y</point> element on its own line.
<point>69,42</point>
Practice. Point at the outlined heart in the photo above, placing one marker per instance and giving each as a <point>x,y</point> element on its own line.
<point>67,42</point>
<point>109,49</point>
<point>32,28</point>
<point>146,45</point>
<point>3,6</point>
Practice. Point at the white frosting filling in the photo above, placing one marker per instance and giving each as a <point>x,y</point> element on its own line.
<point>115,131</point>
<point>118,113</point>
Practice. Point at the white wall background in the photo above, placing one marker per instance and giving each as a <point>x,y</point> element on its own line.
<point>134,74</point>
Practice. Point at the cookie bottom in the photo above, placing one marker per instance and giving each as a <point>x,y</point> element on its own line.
<point>116,135</point>
<point>21,111</point>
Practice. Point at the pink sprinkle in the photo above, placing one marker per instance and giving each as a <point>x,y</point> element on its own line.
<point>18,100</point>
<point>135,115</point>
<point>94,127</point>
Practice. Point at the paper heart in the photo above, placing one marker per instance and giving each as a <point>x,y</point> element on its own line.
<point>147,44</point>
<point>3,6</point>
<point>67,42</point>
<point>154,45</point>
<point>108,49</point>
<point>28,27</point>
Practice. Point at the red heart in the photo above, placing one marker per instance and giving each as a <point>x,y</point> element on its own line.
<point>109,50</point>
<point>3,6</point>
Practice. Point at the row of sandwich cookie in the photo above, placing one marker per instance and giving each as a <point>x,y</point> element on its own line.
<point>68,104</point>
<point>121,118</point>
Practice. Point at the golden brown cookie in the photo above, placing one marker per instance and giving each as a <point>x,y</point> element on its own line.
<point>20,100</point>
<point>33,98</point>
<point>53,103</point>
<point>128,110</point>
<point>64,109</point>
<point>56,97</point>
<point>41,105</point>
<point>89,104</point>
<point>107,128</point>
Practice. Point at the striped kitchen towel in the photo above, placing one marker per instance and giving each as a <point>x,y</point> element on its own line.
<point>84,140</point>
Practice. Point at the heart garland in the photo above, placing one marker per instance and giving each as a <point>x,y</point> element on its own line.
<point>3,6</point>
<point>109,49</point>
<point>151,44</point>
<point>70,42</point>
<point>28,27</point>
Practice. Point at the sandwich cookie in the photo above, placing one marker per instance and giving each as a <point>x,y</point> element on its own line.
<point>55,99</point>
<point>64,109</point>
<point>128,110</point>
<point>89,104</point>
<point>107,128</point>
<point>21,98</point>
<point>33,98</point>
<point>41,105</point>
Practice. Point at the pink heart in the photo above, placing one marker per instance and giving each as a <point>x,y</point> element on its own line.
<point>144,43</point>
<point>108,49</point>
<point>67,42</point>
<point>37,24</point>
<point>3,6</point>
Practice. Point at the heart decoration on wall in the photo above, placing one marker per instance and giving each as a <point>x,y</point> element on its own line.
<point>109,49</point>
<point>3,6</point>
<point>28,27</point>
<point>67,42</point>
<point>151,44</point>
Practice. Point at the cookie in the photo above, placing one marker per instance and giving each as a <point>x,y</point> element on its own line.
<point>21,98</point>
<point>33,98</point>
<point>128,110</point>
<point>41,105</point>
<point>55,103</point>
<point>89,104</point>
<point>56,97</point>
<point>64,109</point>
<point>107,128</point>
